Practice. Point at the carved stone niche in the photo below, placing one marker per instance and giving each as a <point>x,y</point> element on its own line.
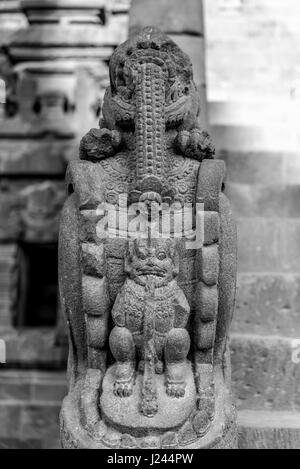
<point>148,299</point>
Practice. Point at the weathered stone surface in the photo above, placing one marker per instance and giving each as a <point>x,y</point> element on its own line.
<point>24,422</point>
<point>30,211</point>
<point>34,157</point>
<point>29,408</point>
<point>243,166</point>
<point>8,283</point>
<point>253,119</point>
<point>171,16</point>
<point>33,348</point>
<point>264,200</point>
<point>269,430</point>
<point>259,245</point>
<point>269,245</point>
<point>264,374</point>
<point>268,305</point>
<point>13,443</point>
<point>254,138</point>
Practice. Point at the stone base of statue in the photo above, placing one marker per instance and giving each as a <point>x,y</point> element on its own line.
<point>83,428</point>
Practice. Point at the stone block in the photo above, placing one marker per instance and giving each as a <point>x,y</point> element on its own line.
<point>254,138</point>
<point>93,259</point>
<point>95,297</point>
<point>8,283</point>
<point>210,181</point>
<point>259,245</point>
<point>34,157</point>
<point>42,386</point>
<point>48,386</point>
<point>34,348</point>
<point>264,372</point>
<point>268,304</point>
<point>290,245</point>
<point>254,167</point>
<point>40,421</point>
<point>254,200</point>
<point>14,443</point>
<point>269,430</point>
<point>208,264</point>
<point>211,228</point>
<point>10,417</point>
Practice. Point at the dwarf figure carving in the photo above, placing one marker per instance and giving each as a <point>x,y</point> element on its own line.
<point>150,316</point>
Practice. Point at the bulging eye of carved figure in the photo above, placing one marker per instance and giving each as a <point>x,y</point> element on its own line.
<point>161,255</point>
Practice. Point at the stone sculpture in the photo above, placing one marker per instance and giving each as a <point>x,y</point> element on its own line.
<point>148,310</point>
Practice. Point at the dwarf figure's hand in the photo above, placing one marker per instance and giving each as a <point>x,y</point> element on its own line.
<point>195,144</point>
<point>99,144</point>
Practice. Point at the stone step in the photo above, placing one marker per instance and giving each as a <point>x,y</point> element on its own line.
<point>268,304</point>
<point>29,424</point>
<point>32,386</point>
<point>256,138</point>
<point>263,167</point>
<point>255,110</point>
<point>268,245</point>
<point>269,430</point>
<point>266,372</point>
<point>258,200</point>
<point>8,283</point>
<point>30,403</point>
<point>34,348</point>
<point>266,53</point>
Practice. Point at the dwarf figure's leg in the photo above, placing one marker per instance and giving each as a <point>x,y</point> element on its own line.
<point>176,350</point>
<point>123,349</point>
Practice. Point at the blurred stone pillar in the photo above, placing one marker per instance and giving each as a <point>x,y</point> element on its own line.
<point>56,73</point>
<point>11,18</point>
<point>183,21</point>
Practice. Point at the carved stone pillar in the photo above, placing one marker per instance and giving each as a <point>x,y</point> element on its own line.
<point>147,265</point>
<point>183,21</point>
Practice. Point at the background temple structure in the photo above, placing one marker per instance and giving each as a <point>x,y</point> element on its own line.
<point>245,55</point>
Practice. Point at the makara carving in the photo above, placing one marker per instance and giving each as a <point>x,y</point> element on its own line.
<point>148,265</point>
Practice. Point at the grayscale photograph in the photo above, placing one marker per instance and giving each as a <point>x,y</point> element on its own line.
<point>149,227</point>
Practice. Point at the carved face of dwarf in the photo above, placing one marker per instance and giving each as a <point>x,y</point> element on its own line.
<point>152,262</point>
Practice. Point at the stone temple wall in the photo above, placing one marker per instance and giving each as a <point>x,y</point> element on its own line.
<point>252,75</point>
<point>253,57</point>
<point>54,61</point>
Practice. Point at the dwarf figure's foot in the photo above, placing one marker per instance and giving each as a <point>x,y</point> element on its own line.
<point>125,379</point>
<point>123,349</point>
<point>195,144</point>
<point>176,350</point>
<point>175,380</point>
